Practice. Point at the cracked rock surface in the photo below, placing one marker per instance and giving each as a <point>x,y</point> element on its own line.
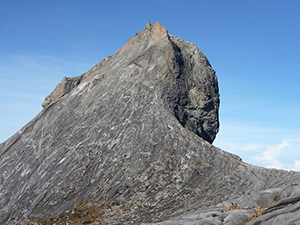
<point>129,142</point>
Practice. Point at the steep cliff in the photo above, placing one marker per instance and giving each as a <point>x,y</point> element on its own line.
<point>130,142</point>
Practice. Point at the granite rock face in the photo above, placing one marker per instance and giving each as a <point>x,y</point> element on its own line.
<point>64,87</point>
<point>178,69</point>
<point>130,142</point>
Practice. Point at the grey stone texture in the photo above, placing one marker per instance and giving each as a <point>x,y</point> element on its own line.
<point>132,138</point>
<point>64,87</point>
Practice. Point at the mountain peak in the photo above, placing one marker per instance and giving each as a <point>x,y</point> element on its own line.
<point>156,33</point>
<point>129,141</point>
<point>187,83</point>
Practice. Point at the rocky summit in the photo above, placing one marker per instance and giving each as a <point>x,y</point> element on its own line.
<point>130,142</point>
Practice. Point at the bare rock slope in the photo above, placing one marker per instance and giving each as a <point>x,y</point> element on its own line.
<point>130,142</point>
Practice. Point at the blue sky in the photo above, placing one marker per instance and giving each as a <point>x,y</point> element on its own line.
<point>254,46</point>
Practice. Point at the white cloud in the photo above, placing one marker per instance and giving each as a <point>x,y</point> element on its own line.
<point>261,145</point>
<point>282,156</point>
<point>296,166</point>
<point>265,153</point>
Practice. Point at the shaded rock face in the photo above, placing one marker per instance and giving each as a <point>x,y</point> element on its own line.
<point>130,142</point>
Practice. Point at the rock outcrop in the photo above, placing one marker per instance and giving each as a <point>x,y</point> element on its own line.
<point>130,142</point>
<point>64,87</point>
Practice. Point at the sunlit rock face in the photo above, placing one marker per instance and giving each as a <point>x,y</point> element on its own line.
<point>129,142</point>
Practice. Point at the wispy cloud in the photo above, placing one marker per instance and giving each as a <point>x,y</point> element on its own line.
<point>282,156</point>
<point>25,81</point>
<point>272,147</point>
<point>240,148</point>
<point>35,76</point>
<point>285,155</point>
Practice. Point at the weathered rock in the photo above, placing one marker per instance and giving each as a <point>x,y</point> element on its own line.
<point>130,142</point>
<point>64,87</point>
<point>236,217</point>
